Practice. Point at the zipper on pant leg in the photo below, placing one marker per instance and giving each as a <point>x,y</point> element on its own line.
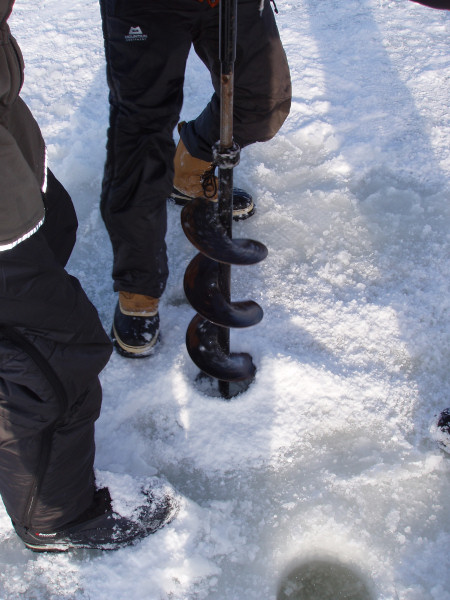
<point>44,455</point>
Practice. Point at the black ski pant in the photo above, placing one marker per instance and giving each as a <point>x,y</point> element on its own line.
<point>147,44</point>
<point>52,348</point>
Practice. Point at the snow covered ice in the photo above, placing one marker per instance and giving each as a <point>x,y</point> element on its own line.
<point>329,456</point>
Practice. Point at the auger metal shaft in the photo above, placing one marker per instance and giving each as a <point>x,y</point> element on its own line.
<point>227,42</point>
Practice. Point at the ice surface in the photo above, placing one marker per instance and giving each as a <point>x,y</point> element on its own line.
<point>328,456</point>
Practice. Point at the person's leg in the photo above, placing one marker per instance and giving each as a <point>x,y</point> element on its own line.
<point>262,95</point>
<point>146,50</point>
<point>146,47</point>
<point>46,431</point>
<point>49,400</point>
<point>262,85</point>
<point>52,348</point>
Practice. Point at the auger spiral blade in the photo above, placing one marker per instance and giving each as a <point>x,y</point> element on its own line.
<point>201,286</point>
<point>205,351</point>
<point>208,226</point>
<point>203,229</point>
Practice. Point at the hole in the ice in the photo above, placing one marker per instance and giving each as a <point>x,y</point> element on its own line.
<point>323,580</point>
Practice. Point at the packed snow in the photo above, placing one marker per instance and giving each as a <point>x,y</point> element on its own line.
<point>327,466</point>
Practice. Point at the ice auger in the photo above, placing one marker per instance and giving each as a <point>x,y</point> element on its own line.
<point>208,226</point>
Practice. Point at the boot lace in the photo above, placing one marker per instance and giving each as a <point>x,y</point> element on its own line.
<point>209,183</point>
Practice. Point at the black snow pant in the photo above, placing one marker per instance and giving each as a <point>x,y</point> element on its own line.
<point>147,44</point>
<point>52,348</point>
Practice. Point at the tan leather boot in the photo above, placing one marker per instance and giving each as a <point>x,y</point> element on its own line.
<point>194,177</point>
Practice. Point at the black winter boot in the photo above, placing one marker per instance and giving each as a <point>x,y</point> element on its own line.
<point>135,329</point>
<point>101,527</point>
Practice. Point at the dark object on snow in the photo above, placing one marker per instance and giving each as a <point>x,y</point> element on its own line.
<point>443,426</point>
<point>443,4</point>
<point>209,227</point>
<point>323,579</point>
<point>444,420</point>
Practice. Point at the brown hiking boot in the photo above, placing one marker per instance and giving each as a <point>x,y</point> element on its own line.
<point>194,178</point>
<point>135,329</point>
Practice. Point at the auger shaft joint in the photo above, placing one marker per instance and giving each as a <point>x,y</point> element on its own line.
<point>226,158</point>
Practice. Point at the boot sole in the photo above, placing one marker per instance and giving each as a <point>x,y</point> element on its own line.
<point>181,199</point>
<point>134,351</point>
